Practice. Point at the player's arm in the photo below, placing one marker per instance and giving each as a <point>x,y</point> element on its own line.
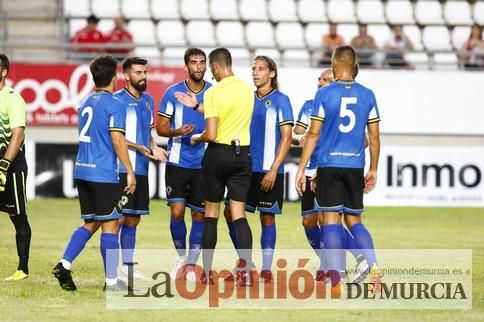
<point>157,153</point>
<point>374,138</point>
<point>16,141</point>
<point>308,149</point>
<point>209,134</point>
<point>299,134</point>
<point>269,178</point>
<point>163,128</point>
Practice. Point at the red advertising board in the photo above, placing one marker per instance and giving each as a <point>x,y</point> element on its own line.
<point>54,91</point>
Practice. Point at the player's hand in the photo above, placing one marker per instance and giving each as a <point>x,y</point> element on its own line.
<point>131,184</point>
<point>187,99</point>
<point>4,165</point>
<point>312,183</point>
<point>302,140</point>
<point>145,151</point>
<point>268,180</point>
<point>159,154</point>
<point>300,182</point>
<point>194,139</point>
<point>185,129</point>
<point>370,181</point>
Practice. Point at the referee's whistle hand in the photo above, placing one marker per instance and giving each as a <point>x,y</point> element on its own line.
<point>131,184</point>
<point>300,182</point>
<point>187,99</point>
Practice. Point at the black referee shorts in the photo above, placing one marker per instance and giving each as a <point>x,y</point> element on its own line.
<point>221,168</point>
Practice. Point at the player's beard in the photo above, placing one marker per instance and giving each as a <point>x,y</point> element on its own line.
<point>141,87</point>
<point>196,78</point>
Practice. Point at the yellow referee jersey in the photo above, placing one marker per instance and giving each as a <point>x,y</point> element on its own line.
<point>232,102</point>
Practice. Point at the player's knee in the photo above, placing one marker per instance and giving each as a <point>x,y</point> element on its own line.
<point>91,225</point>
<point>309,222</point>
<point>177,212</point>
<point>197,216</point>
<point>131,221</point>
<point>350,220</point>
<point>267,219</point>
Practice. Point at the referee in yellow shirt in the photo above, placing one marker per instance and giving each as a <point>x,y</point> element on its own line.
<point>228,107</point>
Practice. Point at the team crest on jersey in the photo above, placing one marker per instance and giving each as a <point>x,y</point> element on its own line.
<point>268,103</point>
<point>147,105</point>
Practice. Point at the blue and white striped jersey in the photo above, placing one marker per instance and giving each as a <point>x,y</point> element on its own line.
<point>270,112</point>
<point>139,120</point>
<point>181,152</point>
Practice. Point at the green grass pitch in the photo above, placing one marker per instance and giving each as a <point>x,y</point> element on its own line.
<point>39,298</point>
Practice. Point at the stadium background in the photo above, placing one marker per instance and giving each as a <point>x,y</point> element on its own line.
<point>432,132</point>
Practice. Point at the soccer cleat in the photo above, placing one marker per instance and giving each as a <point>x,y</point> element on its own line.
<point>120,286</point>
<point>266,276</point>
<point>375,278</point>
<point>179,264</point>
<point>187,273</point>
<point>362,271</point>
<point>17,276</point>
<point>64,277</point>
<point>244,278</point>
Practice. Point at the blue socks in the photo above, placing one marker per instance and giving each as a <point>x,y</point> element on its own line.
<point>178,231</point>
<point>195,242</point>
<point>268,243</point>
<point>75,246</point>
<point>314,238</point>
<point>127,239</point>
<point>349,244</point>
<point>364,242</point>
<point>110,241</point>
<point>333,244</point>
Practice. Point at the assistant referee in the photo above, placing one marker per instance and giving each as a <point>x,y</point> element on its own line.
<point>228,107</point>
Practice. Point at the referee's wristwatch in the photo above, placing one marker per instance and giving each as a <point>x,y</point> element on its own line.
<point>196,107</point>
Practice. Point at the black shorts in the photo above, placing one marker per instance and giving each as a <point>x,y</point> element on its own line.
<point>265,201</point>
<point>13,200</point>
<point>221,168</point>
<point>138,202</point>
<point>185,186</point>
<point>100,201</point>
<point>340,189</point>
<point>307,200</point>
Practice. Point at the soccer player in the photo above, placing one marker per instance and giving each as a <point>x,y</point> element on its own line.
<point>228,108</point>
<point>271,135</point>
<point>139,122</point>
<point>182,176</point>
<point>313,219</point>
<point>346,108</point>
<point>13,168</point>
<point>102,123</point>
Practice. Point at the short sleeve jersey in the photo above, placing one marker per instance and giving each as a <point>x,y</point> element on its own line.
<point>182,153</point>
<point>270,113</point>
<point>345,108</point>
<point>96,159</point>
<point>232,102</point>
<point>139,120</point>
<point>12,115</point>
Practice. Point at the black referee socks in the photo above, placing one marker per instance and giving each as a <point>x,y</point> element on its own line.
<point>244,239</point>
<point>209,241</point>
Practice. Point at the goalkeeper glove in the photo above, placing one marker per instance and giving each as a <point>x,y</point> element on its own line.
<point>4,165</point>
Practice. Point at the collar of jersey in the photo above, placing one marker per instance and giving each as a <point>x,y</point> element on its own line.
<point>131,94</point>
<point>345,82</point>
<point>203,88</point>
<point>261,98</point>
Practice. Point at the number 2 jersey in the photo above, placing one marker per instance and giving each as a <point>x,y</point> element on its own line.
<point>139,120</point>
<point>345,108</point>
<point>99,115</point>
